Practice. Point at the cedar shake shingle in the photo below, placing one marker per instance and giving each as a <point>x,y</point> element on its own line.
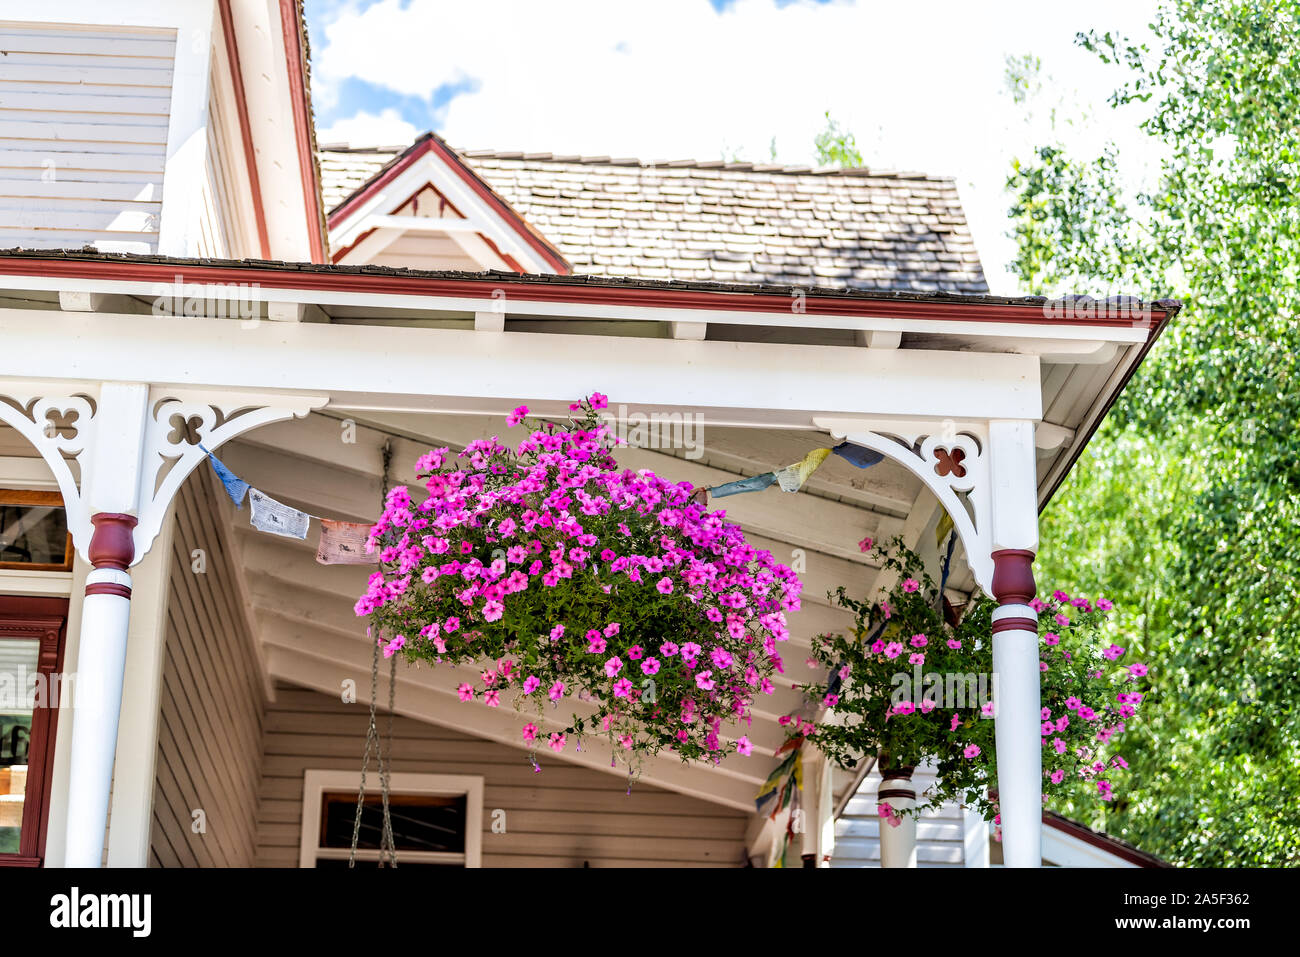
<point>735,222</point>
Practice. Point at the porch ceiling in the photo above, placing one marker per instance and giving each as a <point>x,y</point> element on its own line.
<point>311,636</point>
<point>770,380</point>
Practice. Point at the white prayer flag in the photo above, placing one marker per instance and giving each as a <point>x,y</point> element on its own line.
<point>276,517</point>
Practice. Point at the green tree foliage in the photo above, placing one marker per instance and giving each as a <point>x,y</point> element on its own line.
<point>1185,511</point>
<point>835,146</point>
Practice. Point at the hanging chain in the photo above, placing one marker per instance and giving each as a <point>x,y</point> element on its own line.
<point>387,846</point>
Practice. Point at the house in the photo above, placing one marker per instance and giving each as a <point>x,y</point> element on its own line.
<point>184,271</point>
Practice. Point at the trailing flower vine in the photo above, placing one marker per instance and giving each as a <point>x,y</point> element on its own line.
<point>561,577</point>
<point>913,682</point>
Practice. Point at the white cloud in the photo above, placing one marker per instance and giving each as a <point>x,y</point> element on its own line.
<point>920,84</point>
<point>385,128</point>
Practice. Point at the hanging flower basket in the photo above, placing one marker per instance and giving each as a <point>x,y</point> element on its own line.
<point>913,683</point>
<point>559,576</point>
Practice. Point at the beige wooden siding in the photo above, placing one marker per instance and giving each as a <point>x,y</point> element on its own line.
<point>210,735</point>
<point>566,816</point>
<point>83,135</point>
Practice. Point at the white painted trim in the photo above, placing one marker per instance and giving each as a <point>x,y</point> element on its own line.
<point>17,581</point>
<point>185,172</point>
<point>18,471</point>
<point>1066,850</point>
<point>480,218</point>
<point>55,836</point>
<point>1014,611</point>
<point>975,839</point>
<point>388,368</point>
<point>130,827</point>
<point>315,783</point>
<point>1053,338</point>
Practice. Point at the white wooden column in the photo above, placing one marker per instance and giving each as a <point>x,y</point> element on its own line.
<point>131,822</point>
<point>1014,512</point>
<point>111,494</point>
<point>897,843</point>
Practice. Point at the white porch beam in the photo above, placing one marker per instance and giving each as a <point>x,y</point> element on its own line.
<point>388,368</point>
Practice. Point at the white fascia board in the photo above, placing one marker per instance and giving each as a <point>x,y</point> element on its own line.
<point>1056,340</point>
<point>399,368</point>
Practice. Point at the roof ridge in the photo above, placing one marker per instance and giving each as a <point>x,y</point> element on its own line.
<point>724,165</point>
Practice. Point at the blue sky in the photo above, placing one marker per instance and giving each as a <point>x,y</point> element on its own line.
<point>920,84</point>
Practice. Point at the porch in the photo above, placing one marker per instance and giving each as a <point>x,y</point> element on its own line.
<point>319,386</point>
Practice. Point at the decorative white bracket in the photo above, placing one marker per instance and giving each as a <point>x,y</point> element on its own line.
<point>66,423</point>
<point>951,458</point>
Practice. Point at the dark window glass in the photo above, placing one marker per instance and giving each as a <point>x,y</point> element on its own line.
<point>18,672</point>
<point>421,822</point>
<point>33,533</point>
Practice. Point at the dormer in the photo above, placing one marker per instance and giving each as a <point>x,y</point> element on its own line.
<point>427,209</point>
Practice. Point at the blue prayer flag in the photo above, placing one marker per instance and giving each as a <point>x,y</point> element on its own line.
<point>236,487</point>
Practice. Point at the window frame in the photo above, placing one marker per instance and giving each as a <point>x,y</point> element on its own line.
<point>14,496</point>
<point>316,782</point>
<point>45,620</point>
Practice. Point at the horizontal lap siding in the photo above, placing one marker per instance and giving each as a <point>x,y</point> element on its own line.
<point>210,734</point>
<point>83,136</point>
<point>566,816</point>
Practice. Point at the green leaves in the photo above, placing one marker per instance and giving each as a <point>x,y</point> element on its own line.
<point>1184,510</point>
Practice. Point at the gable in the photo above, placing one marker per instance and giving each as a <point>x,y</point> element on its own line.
<point>426,209</point>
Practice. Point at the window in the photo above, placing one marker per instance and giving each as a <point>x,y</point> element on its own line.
<point>34,531</point>
<point>437,819</point>
<point>31,651</point>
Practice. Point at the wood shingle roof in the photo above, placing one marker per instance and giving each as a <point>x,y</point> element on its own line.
<point>714,221</point>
